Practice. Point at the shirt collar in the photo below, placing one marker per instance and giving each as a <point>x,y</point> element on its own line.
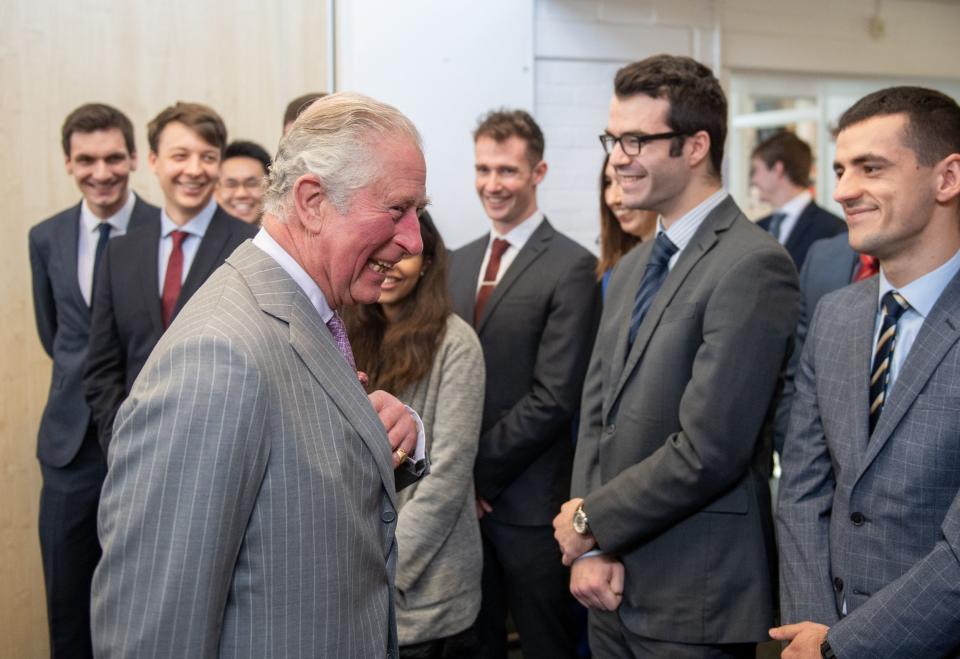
<point>922,293</point>
<point>681,232</point>
<point>266,242</point>
<point>795,206</point>
<point>195,226</point>
<point>520,234</point>
<point>118,220</point>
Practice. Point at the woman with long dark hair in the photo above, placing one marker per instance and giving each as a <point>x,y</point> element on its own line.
<point>621,228</point>
<point>411,345</point>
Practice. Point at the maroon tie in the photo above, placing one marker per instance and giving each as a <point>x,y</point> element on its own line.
<point>869,266</point>
<point>171,281</point>
<point>489,277</point>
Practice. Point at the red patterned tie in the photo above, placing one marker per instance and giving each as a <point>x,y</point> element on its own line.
<point>489,278</point>
<point>869,266</point>
<point>172,281</point>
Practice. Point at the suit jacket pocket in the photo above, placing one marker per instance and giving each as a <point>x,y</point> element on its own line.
<point>679,311</point>
<point>735,501</point>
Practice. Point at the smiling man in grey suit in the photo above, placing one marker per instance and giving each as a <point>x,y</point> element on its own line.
<point>869,509</point>
<point>670,477</point>
<point>249,508</point>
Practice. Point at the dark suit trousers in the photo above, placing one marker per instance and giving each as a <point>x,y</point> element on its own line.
<point>69,546</point>
<point>523,574</point>
<point>609,639</point>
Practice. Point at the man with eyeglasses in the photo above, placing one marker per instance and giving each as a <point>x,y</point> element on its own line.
<point>240,188</point>
<point>669,531</point>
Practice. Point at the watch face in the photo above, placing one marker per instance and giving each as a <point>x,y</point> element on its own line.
<point>580,522</point>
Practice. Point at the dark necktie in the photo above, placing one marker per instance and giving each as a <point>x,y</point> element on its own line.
<point>776,220</point>
<point>869,266</point>
<point>104,230</point>
<point>489,277</point>
<point>656,271</point>
<point>172,281</point>
<point>893,307</point>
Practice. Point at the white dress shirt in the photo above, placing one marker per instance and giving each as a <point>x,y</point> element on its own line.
<point>681,231</point>
<point>90,235</point>
<point>791,213</point>
<point>921,294</point>
<point>274,250</point>
<point>196,227</point>
<point>517,237</point>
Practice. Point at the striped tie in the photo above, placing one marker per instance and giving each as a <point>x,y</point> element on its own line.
<point>653,276</point>
<point>894,305</point>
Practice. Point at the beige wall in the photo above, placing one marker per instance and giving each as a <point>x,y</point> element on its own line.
<point>245,58</point>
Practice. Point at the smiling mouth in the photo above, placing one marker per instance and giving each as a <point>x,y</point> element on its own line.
<point>379,266</point>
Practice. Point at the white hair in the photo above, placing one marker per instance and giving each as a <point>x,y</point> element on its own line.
<point>336,139</point>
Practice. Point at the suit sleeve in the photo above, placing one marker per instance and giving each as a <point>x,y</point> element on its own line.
<point>427,519</point>
<point>918,615</point>
<point>44,306</point>
<point>535,422</point>
<point>586,462</point>
<point>183,478</point>
<point>104,378</point>
<point>747,323</point>
<point>807,487</point>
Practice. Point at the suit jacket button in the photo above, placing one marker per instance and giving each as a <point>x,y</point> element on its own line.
<point>858,519</point>
<point>612,428</point>
<point>838,584</point>
<point>388,516</point>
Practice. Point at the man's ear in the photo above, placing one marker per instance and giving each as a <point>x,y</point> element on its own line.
<point>948,178</point>
<point>699,144</point>
<point>539,171</point>
<point>152,161</point>
<point>133,161</point>
<point>311,202</point>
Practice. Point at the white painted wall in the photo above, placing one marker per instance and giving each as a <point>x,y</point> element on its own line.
<point>442,63</point>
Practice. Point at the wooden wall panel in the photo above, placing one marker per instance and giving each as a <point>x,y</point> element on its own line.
<point>245,58</point>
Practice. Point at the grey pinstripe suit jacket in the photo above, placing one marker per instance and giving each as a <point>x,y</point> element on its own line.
<point>874,522</point>
<point>249,509</point>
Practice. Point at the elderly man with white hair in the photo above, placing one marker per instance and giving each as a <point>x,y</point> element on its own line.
<point>249,508</point>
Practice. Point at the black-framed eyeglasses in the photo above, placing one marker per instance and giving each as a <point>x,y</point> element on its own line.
<point>631,143</point>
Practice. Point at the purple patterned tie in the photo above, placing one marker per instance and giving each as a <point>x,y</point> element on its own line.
<point>340,336</point>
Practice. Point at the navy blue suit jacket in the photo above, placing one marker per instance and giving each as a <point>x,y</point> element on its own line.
<point>63,322</point>
<point>815,223</point>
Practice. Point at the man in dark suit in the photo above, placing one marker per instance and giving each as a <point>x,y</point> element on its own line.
<point>64,255</point>
<point>869,509</point>
<point>780,170</point>
<point>530,293</point>
<point>670,476</point>
<point>147,277</point>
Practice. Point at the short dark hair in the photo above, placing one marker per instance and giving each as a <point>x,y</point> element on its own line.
<point>196,116</point>
<point>246,149</point>
<point>299,104</point>
<point>96,116</point>
<point>795,154</point>
<point>933,119</point>
<point>696,100</point>
<point>500,125</point>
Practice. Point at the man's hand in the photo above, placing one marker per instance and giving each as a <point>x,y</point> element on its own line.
<point>597,582</point>
<point>805,639</point>
<point>400,426</point>
<point>572,544</point>
<point>483,507</point>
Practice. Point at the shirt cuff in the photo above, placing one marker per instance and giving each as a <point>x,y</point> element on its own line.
<point>588,554</point>
<point>421,450</point>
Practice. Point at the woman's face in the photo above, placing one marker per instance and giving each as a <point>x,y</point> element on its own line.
<point>401,280</point>
<point>633,221</point>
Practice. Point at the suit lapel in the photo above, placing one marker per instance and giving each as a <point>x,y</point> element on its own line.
<point>67,242</point>
<point>143,213</point>
<point>531,252</point>
<point>208,257</point>
<point>623,313</point>
<point>719,220</point>
<point>145,254</point>
<point>859,357</point>
<point>278,295</point>
<point>937,335</point>
<point>800,229</point>
<point>463,281</point>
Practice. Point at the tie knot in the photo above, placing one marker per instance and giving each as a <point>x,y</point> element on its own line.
<point>663,250</point>
<point>178,238</point>
<point>499,247</point>
<point>104,229</point>
<point>894,305</point>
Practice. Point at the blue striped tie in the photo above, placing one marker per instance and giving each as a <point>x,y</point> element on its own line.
<point>894,305</point>
<point>656,271</point>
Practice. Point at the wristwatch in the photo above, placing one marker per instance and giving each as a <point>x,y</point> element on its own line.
<point>580,523</point>
<point>826,651</point>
